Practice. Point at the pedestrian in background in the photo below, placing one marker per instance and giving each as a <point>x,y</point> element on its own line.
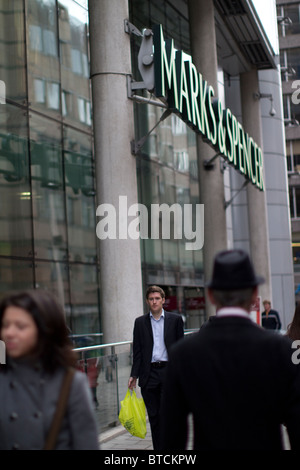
<point>153,335</point>
<point>293,329</point>
<point>33,328</point>
<point>236,379</point>
<point>270,318</point>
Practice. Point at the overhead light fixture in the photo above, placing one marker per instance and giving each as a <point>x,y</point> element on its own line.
<point>259,96</point>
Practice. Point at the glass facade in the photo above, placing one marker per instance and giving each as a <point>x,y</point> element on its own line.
<point>47,205</point>
<point>47,235</point>
<point>167,173</point>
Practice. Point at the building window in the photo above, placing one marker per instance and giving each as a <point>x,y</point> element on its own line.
<point>293,12</point>
<point>46,93</point>
<point>294,193</point>
<point>293,156</point>
<point>35,38</point>
<point>290,63</point>
<point>42,40</point>
<point>84,111</point>
<point>76,61</point>
<point>53,95</point>
<point>39,90</point>
<point>50,46</point>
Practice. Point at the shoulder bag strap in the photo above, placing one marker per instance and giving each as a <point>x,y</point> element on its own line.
<point>60,410</point>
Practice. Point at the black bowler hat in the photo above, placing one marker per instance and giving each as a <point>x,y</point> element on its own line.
<point>233,270</point>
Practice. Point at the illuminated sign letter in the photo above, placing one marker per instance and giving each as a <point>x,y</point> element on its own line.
<point>182,87</point>
<point>165,69</point>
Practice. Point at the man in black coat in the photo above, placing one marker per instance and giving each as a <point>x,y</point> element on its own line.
<point>235,378</point>
<point>153,336</point>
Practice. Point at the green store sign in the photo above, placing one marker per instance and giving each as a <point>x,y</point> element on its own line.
<point>179,83</point>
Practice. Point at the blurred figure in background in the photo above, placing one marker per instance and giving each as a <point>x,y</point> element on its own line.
<point>236,379</point>
<point>39,352</point>
<point>293,329</point>
<point>270,318</point>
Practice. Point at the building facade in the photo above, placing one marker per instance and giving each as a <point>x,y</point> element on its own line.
<point>84,141</point>
<point>47,170</point>
<point>289,41</point>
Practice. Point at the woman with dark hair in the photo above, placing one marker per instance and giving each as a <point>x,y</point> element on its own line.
<point>38,355</point>
<point>293,329</point>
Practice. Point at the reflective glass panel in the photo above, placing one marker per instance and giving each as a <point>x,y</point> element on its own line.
<point>183,197</point>
<point>84,298</point>
<point>12,50</point>
<point>148,174</point>
<point>80,195</point>
<point>49,215</point>
<point>168,197</point>
<point>15,191</point>
<point>15,275</point>
<point>42,56</point>
<point>53,277</point>
<point>73,43</point>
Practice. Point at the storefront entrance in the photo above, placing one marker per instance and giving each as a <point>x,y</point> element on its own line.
<point>188,302</point>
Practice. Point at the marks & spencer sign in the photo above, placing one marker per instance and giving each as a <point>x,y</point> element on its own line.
<point>178,82</point>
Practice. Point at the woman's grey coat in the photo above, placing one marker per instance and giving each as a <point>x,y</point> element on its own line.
<point>28,399</point>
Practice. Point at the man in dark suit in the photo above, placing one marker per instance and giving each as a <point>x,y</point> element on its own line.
<point>236,379</point>
<point>153,336</point>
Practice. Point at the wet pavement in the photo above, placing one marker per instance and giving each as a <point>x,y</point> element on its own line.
<point>119,439</point>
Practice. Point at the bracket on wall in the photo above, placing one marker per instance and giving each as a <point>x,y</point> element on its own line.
<point>133,85</point>
<point>228,203</point>
<point>209,164</point>
<point>259,96</point>
<point>129,28</point>
<point>136,146</point>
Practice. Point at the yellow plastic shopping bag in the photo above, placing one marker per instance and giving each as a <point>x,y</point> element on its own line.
<point>133,414</point>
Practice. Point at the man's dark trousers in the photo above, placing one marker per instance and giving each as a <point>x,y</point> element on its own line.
<point>151,394</point>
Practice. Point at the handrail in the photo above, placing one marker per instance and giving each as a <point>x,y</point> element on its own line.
<point>115,356</point>
<point>121,343</point>
<point>102,346</point>
<point>86,334</point>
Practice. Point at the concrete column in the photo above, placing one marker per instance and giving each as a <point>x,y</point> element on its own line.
<point>120,261</point>
<point>257,207</point>
<point>204,55</point>
<point>277,196</point>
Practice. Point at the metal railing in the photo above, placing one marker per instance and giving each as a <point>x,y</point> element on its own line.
<point>108,368</point>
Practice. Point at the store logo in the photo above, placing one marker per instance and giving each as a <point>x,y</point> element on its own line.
<point>2,92</point>
<point>162,221</point>
<point>178,82</point>
<point>2,353</point>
